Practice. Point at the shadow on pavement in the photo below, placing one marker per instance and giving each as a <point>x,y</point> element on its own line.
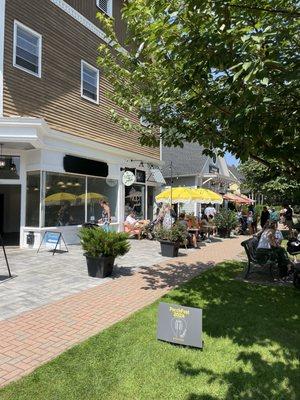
<point>171,275</point>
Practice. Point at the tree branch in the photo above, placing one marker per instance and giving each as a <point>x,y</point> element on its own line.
<point>260,160</point>
<point>271,10</point>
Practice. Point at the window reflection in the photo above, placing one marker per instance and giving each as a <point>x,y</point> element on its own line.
<point>135,200</point>
<point>98,189</point>
<point>64,200</point>
<point>9,167</point>
<point>69,199</point>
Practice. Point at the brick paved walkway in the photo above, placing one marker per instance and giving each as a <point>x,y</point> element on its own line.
<point>37,336</point>
<point>42,279</point>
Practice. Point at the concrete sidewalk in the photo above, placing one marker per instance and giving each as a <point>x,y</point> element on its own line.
<point>35,337</point>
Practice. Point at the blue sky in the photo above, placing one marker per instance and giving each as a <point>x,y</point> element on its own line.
<point>231,160</point>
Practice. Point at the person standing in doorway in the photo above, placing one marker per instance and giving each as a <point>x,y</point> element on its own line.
<point>105,216</point>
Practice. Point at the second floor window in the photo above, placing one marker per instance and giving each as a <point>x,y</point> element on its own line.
<point>89,82</point>
<point>27,49</point>
<point>105,5</point>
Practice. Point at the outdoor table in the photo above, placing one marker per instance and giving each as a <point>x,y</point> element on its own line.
<point>206,228</point>
<point>193,230</point>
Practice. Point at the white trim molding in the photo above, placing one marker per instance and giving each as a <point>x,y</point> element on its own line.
<point>86,23</point>
<point>2,34</point>
<point>81,19</point>
<point>37,132</point>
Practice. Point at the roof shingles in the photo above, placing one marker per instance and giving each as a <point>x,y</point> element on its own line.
<point>186,161</point>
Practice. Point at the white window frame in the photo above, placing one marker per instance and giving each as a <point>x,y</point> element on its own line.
<point>109,8</point>
<point>19,24</point>
<point>98,80</point>
<point>144,122</point>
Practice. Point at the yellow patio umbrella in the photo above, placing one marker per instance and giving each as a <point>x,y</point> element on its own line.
<point>189,195</point>
<point>92,196</point>
<point>204,196</point>
<point>175,195</point>
<point>60,197</point>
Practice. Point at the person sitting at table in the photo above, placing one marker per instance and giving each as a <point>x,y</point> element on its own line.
<point>191,237</point>
<point>133,225</point>
<point>205,228</point>
<point>212,225</point>
<point>131,219</point>
<point>269,246</point>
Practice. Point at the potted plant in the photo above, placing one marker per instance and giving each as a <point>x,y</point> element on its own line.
<point>101,248</point>
<point>225,221</point>
<point>171,239</point>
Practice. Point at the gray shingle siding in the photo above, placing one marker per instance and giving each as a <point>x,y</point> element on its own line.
<point>236,173</point>
<point>187,161</point>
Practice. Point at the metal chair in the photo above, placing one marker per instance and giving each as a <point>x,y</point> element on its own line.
<point>250,246</point>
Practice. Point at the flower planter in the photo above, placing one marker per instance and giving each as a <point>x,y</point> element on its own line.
<point>99,267</point>
<point>169,249</point>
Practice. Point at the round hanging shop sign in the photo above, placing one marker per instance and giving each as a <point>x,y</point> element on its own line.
<point>128,178</point>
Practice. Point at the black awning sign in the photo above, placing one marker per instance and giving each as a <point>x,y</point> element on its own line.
<point>84,166</point>
<point>180,325</point>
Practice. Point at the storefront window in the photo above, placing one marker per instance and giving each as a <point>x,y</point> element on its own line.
<point>64,199</point>
<point>98,189</point>
<point>9,167</point>
<point>135,200</point>
<point>33,199</point>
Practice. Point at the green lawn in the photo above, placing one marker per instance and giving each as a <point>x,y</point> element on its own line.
<point>251,352</point>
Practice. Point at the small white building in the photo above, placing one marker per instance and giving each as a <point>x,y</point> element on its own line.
<point>188,166</point>
<point>41,164</point>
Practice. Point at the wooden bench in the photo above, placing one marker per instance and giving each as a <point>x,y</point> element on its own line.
<point>250,246</point>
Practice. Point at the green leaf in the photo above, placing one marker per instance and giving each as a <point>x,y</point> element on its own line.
<point>247,65</point>
<point>237,75</point>
<point>265,81</point>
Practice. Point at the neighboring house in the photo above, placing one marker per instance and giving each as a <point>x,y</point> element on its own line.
<point>60,151</point>
<point>237,187</point>
<point>189,167</point>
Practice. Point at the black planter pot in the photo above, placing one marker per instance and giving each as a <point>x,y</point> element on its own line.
<point>224,232</point>
<point>169,249</point>
<point>100,267</point>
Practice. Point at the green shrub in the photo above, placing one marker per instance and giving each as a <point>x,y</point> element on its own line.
<point>177,234</point>
<point>96,242</point>
<point>226,219</point>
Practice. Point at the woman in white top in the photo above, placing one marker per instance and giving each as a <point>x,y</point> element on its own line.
<point>269,248</point>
